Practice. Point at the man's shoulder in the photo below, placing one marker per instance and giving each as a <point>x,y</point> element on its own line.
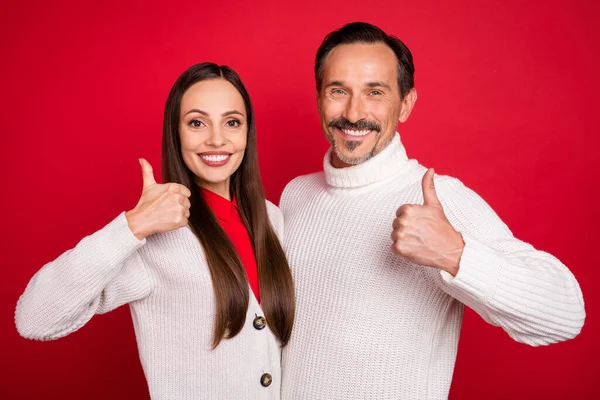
<point>302,186</point>
<point>304,182</point>
<point>276,218</point>
<point>412,177</point>
<point>308,179</point>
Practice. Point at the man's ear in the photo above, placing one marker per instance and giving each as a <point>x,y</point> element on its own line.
<point>408,102</point>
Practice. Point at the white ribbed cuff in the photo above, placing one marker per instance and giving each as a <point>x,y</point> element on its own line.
<point>117,241</point>
<point>478,272</point>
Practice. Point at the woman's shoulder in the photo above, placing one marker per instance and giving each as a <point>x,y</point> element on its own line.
<point>176,243</point>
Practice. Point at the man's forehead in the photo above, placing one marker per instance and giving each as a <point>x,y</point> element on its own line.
<point>362,62</point>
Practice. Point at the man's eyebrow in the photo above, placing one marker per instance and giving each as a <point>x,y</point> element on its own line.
<point>373,84</point>
<point>334,83</point>
<point>378,84</point>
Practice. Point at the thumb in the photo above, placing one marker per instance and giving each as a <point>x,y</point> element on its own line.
<point>147,173</point>
<point>429,195</point>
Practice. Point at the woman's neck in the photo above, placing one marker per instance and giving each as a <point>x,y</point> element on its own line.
<point>220,188</point>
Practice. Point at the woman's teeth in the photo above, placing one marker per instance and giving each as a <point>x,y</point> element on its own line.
<point>215,158</point>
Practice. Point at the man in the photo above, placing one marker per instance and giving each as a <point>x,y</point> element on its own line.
<point>384,258</point>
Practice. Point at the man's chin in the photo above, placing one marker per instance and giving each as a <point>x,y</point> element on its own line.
<point>351,158</point>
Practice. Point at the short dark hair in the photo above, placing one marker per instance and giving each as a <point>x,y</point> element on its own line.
<point>362,32</point>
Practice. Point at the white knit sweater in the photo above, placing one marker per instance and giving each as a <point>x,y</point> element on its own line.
<point>166,282</point>
<point>370,325</point>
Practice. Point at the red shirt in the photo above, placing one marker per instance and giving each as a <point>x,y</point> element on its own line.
<point>228,215</point>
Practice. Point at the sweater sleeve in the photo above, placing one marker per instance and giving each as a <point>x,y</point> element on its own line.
<point>103,272</point>
<point>529,293</point>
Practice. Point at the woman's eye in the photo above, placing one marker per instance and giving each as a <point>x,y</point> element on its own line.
<point>233,123</point>
<point>195,123</point>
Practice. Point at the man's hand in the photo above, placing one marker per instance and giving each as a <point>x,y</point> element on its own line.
<point>162,207</point>
<point>422,233</point>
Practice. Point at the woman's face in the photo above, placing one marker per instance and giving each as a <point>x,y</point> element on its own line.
<point>213,131</point>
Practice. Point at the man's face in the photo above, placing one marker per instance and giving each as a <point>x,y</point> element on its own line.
<point>359,102</point>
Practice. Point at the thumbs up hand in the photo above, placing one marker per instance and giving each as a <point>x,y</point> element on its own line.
<point>161,208</point>
<point>422,233</point>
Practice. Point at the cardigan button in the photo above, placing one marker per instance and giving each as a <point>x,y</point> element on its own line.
<point>266,380</point>
<point>259,323</point>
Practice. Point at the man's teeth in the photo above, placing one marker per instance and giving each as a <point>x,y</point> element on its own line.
<point>356,133</point>
<point>215,158</point>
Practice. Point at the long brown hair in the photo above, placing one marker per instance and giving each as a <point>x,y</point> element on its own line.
<point>230,283</point>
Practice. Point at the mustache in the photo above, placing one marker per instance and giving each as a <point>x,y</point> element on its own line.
<point>363,124</point>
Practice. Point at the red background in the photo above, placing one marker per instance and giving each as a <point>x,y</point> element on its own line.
<point>507,103</point>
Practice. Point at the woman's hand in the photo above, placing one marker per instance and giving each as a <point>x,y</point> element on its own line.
<point>162,207</point>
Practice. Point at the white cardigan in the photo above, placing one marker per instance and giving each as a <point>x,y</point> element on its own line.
<point>166,282</point>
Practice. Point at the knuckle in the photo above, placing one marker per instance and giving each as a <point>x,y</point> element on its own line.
<point>404,210</point>
<point>397,248</point>
<point>183,190</point>
<point>399,211</point>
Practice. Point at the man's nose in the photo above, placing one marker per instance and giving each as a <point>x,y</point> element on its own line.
<point>355,110</point>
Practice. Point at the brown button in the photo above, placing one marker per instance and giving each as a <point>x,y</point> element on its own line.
<point>259,322</point>
<point>266,380</point>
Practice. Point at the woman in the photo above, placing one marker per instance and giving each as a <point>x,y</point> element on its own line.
<point>193,259</point>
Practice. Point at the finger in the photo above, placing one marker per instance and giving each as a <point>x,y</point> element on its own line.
<point>407,210</point>
<point>396,249</point>
<point>429,195</point>
<point>399,223</point>
<point>184,201</point>
<point>185,191</point>
<point>403,210</point>
<point>147,173</point>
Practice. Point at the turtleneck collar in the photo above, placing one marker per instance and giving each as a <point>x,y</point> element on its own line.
<point>385,164</point>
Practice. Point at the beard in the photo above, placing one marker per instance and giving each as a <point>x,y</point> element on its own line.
<point>351,145</point>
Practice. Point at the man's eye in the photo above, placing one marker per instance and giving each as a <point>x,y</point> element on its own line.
<point>195,123</point>
<point>338,92</point>
<point>375,93</point>
<point>233,123</point>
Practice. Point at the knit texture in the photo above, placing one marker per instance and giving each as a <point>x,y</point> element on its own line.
<point>166,282</point>
<point>372,325</point>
